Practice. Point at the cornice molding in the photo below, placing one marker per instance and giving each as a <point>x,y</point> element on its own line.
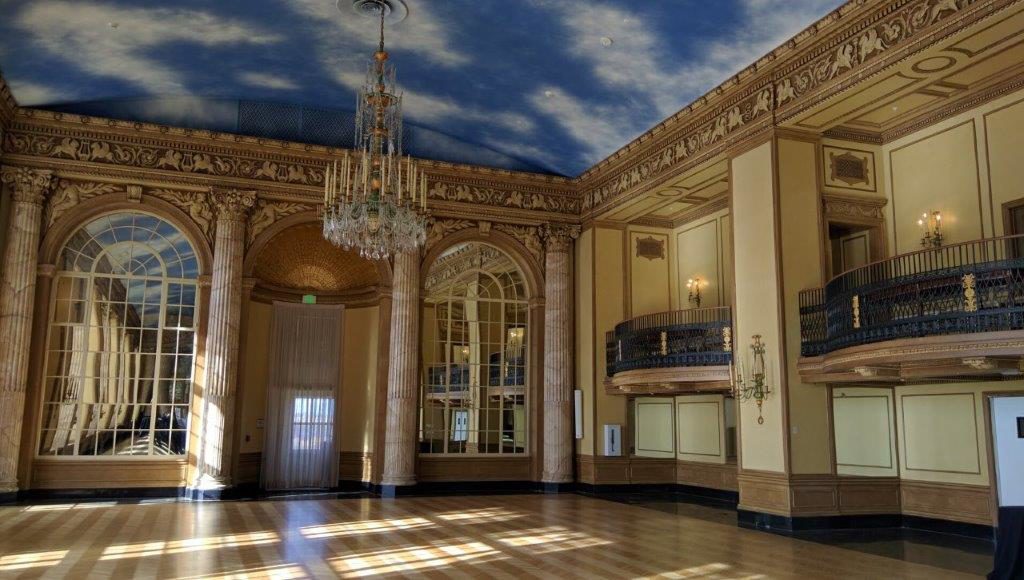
<point>854,135</point>
<point>965,103</point>
<point>225,160</point>
<point>703,211</point>
<point>879,34</point>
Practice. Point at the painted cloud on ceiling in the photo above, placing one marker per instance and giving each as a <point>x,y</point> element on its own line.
<point>539,85</point>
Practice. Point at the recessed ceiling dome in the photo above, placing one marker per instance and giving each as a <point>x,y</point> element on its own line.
<point>299,258</point>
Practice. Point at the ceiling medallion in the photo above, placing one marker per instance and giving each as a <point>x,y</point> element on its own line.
<point>374,199</point>
<point>395,11</point>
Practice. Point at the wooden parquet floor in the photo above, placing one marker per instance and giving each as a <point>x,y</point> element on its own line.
<point>521,536</point>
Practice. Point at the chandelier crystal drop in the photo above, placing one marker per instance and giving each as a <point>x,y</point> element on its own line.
<point>374,199</point>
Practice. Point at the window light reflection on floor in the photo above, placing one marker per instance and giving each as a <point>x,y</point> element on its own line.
<point>161,548</point>
<point>56,507</point>
<point>410,559</point>
<point>279,572</point>
<point>480,516</point>
<point>367,527</point>
<point>549,539</point>
<point>31,560</point>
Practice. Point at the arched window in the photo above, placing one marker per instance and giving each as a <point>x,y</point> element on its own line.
<point>474,378</point>
<point>121,343</point>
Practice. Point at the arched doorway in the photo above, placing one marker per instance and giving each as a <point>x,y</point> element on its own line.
<point>309,370</point>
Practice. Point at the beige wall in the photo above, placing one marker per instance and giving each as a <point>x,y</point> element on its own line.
<point>701,428</point>
<point>609,310</point>
<point>702,248</point>
<point>865,431</point>
<point>359,369</point>
<point>588,351</point>
<point>967,167</point>
<point>757,300</point>
<point>802,261</point>
<point>654,427</point>
<point>942,432</point>
<point>650,279</point>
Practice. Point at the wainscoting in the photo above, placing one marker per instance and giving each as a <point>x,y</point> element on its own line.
<point>948,501</point>
<point>829,495</point>
<point>108,473</point>
<point>352,466</point>
<point>484,468</point>
<point>597,470</point>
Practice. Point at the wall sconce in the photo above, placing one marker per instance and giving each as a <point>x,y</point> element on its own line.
<point>931,229</point>
<point>755,385</point>
<point>694,284</point>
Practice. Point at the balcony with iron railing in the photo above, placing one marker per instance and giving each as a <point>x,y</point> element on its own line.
<point>670,352</point>
<point>946,312</point>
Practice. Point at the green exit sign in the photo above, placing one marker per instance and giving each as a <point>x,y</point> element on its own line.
<point>309,299</point>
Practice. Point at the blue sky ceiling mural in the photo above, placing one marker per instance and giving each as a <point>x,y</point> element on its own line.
<point>551,86</point>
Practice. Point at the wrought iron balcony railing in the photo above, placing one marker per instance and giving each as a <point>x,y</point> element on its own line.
<point>970,287</point>
<point>680,338</point>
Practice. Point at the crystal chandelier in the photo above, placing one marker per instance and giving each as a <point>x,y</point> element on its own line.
<point>374,199</point>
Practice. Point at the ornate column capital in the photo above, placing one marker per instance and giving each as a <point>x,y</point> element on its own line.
<point>29,185</point>
<point>232,204</point>
<point>558,237</point>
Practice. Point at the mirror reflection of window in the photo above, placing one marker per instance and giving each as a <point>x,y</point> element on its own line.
<point>121,344</point>
<point>474,383</point>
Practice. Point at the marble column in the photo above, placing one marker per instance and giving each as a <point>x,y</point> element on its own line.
<point>215,454</point>
<point>558,359</point>
<point>403,386</point>
<point>17,296</point>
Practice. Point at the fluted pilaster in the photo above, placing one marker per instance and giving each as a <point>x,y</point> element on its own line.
<point>400,435</point>
<point>558,343</point>
<point>17,297</point>
<point>213,471</point>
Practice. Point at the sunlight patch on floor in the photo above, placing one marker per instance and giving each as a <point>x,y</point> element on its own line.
<point>549,539</point>
<point>31,560</point>
<point>70,506</point>
<point>161,548</point>
<point>480,516</point>
<point>411,559</point>
<point>280,572</point>
<point>367,527</point>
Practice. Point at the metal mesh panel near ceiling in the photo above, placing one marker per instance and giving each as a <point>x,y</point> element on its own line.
<point>314,125</point>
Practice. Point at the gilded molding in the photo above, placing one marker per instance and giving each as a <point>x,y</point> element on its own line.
<point>439,228</point>
<point>67,194</point>
<point>704,210</point>
<point>558,237</point>
<point>857,207</point>
<point>27,185</point>
<point>266,212</point>
<point>499,195</point>
<point>195,203</point>
<point>528,236</point>
<point>220,157</point>
<point>866,45</point>
<point>232,204</point>
<point>846,56</point>
<point>92,147</point>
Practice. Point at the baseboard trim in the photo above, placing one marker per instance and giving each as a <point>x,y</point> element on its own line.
<point>786,524</point>
<point>439,488</point>
<point>128,493</point>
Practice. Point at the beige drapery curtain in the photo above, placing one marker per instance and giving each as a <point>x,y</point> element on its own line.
<point>301,446</point>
